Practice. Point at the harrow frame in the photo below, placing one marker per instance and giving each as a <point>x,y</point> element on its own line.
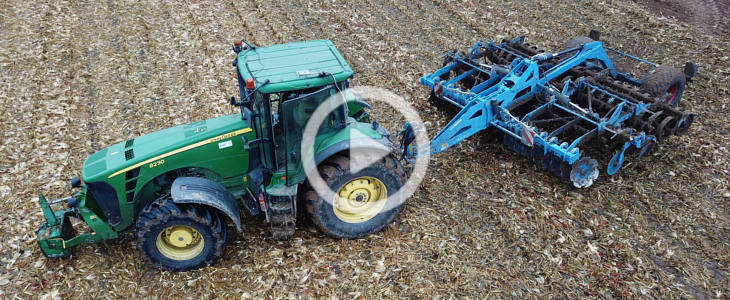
<point>535,90</point>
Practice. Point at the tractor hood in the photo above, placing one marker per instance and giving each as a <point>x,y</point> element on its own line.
<point>158,145</point>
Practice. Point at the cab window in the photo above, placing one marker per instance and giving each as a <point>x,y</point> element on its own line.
<point>296,108</point>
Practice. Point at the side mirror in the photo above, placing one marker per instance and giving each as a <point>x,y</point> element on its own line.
<point>246,114</point>
<point>75,182</point>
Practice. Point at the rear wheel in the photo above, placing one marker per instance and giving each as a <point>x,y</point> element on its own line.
<point>362,202</point>
<point>665,83</point>
<point>180,237</point>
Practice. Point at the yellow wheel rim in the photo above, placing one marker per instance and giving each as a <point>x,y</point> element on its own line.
<point>360,199</point>
<point>180,242</point>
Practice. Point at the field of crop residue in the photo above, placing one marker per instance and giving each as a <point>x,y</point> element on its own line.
<point>486,223</point>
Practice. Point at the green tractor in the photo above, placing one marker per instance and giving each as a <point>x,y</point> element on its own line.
<point>177,189</point>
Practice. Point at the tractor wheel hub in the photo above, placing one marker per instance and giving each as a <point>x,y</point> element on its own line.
<point>180,242</point>
<point>360,199</point>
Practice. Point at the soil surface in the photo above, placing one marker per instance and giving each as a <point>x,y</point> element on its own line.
<point>711,15</point>
<point>78,76</point>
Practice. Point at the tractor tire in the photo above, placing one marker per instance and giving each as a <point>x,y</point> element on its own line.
<point>577,41</point>
<point>180,237</point>
<point>665,83</point>
<point>366,193</point>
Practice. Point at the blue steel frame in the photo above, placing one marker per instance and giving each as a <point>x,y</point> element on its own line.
<point>488,104</point>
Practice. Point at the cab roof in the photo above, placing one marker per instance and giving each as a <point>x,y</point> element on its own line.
<point>293,66</point>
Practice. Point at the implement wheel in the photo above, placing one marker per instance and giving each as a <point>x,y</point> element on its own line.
<point>584,172</point>
<point>665,83</point>
<point>179,237</point>
<point>362,202</point>
<point>577,41</point>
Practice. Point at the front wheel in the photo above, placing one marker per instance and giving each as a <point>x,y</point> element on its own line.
<point>363,201</point>
<point>180,237</point>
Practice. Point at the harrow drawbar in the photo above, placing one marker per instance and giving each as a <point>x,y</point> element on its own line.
<point>558,108</point>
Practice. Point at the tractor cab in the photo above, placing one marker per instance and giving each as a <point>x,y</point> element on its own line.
<point>280,87</point>
<point>279,119</point>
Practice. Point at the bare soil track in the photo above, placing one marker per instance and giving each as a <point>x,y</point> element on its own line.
<point>709,15</point>
<point>486,223</point>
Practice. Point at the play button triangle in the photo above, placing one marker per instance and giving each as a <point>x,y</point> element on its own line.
<point>365,151</point>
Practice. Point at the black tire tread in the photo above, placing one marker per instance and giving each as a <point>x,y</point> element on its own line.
<point>160,210</point>
<point>660,79</point>
<point>332,168</point>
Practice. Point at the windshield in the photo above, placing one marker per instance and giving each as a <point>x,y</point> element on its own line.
<point>296,109</point>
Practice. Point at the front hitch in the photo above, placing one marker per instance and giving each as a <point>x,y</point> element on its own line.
<point>57,235</point>
<point>52,234</point>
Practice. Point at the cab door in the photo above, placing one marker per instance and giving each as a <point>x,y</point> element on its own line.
<point>295,113</point>
<point>261,156</point>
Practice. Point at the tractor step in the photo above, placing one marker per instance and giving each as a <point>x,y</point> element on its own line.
<point>283,217</point>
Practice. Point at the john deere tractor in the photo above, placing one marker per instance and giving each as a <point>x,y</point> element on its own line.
<point>177,189</point>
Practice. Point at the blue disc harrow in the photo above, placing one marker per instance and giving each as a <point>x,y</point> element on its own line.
<point>556,108</point>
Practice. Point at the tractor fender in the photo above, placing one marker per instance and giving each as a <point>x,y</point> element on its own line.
<point>197,190</point>
<point>383,143</point>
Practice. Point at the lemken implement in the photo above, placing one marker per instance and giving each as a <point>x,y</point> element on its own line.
<point>558,108</point>
<point>176,189</point>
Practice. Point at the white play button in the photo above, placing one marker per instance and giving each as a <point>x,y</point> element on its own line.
<point>365,149</point>
<point>365,152</point>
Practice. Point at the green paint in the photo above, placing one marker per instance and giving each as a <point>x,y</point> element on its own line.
<point>283,65</point>
<point>56,236</point>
